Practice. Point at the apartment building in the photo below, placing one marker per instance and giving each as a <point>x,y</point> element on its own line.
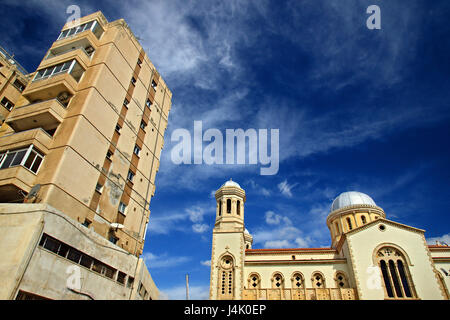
<point>78,165</point>
<point>13,80</point>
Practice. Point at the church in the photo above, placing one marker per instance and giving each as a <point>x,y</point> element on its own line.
<point>370,257</point>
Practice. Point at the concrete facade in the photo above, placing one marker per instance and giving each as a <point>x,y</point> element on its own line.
<point>70,267</point>
<point>371,258</point>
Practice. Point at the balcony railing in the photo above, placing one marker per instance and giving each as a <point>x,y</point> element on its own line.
<point>300,294</point>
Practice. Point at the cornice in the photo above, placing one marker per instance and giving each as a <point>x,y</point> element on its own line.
<point>296,262</point>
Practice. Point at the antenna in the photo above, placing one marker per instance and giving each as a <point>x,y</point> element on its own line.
<point>187,286</point>
<point>33,193</point>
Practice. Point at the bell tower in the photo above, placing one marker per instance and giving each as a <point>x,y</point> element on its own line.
<point>228,243</point>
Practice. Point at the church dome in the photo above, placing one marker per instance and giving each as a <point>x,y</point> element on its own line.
<point>231,183</point>
<point>351,198</point>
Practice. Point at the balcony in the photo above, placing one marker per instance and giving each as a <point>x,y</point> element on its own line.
<point>46,115</point>
<point>51,81</point>
<point>15,184</point>
<point>300,294</point>
<point>36,137</point>
<point>91,34</point>
<point>68,53</point>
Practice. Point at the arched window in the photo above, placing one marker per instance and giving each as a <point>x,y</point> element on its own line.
<point>238,208</point>
<point>228,205</point>
<point>318,280</point>
<point>341,280</point>
<point>396,277</point>
<point>254,281</point>
<point>226,278</point>
<point>297,281</point>
<point>337,228</point>
<point>349,223</point>
<point>363,219</point>
<point>277,281</point>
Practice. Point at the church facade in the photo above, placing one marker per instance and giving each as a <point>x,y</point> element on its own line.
<point>370,257</point>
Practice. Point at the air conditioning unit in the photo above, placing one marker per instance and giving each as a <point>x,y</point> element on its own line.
<point>64,97</point>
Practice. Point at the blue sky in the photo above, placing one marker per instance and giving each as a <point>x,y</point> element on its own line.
<point>357,109</point>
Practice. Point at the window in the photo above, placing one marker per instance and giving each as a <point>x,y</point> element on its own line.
<point>394,270</point>
<point>220,208</point>
<point>7,104</point>
<point>254,281</point>
<point>226,278</point>
<point>228,205</point>
<point>277,281</point>
<point>78,29</point>
<point>99,188</point>
<point>130,175</point>
<point>363,219</point>
<point>28,158</point>
<point>130,282</point>
<point>297,281</point>
<point>154,85</point>
<point>19,85</point>
<point>86,223</point>
<point>137,150</point>
<point>317,280</point>
<point>148,103</point>
<point>86,261</point>
<point>22,295</point>
<point>133,81</point>
<point>143,125</point>
<point>122,207</point>
<point>109,154</point>
<point>341,280</point>
<point>113,239</point>
<point>72,254</point>
<point>238,208</point>
<point>349,223</point>
<point>72,67</point>
<point>126,102</point>
<point>118,128</point>
<point>121,277</point>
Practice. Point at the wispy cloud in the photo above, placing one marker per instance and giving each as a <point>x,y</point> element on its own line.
<point>286,188</point>
<point>176,221</point>
<point>279,232</point>
<point>164,261</point>
<point>206,263</point>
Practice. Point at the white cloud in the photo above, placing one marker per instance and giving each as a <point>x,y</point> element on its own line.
<point>275,219</point>
<point>179,293</point>
<point>206,263</point>
<point>444,239</point>
<point>196,213</point>
<point>277,244</point>
<point>163,261</point>
<point>200,228</point>
<point>303,242</point>
<point>175,221</point>
<point>285,188</point>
